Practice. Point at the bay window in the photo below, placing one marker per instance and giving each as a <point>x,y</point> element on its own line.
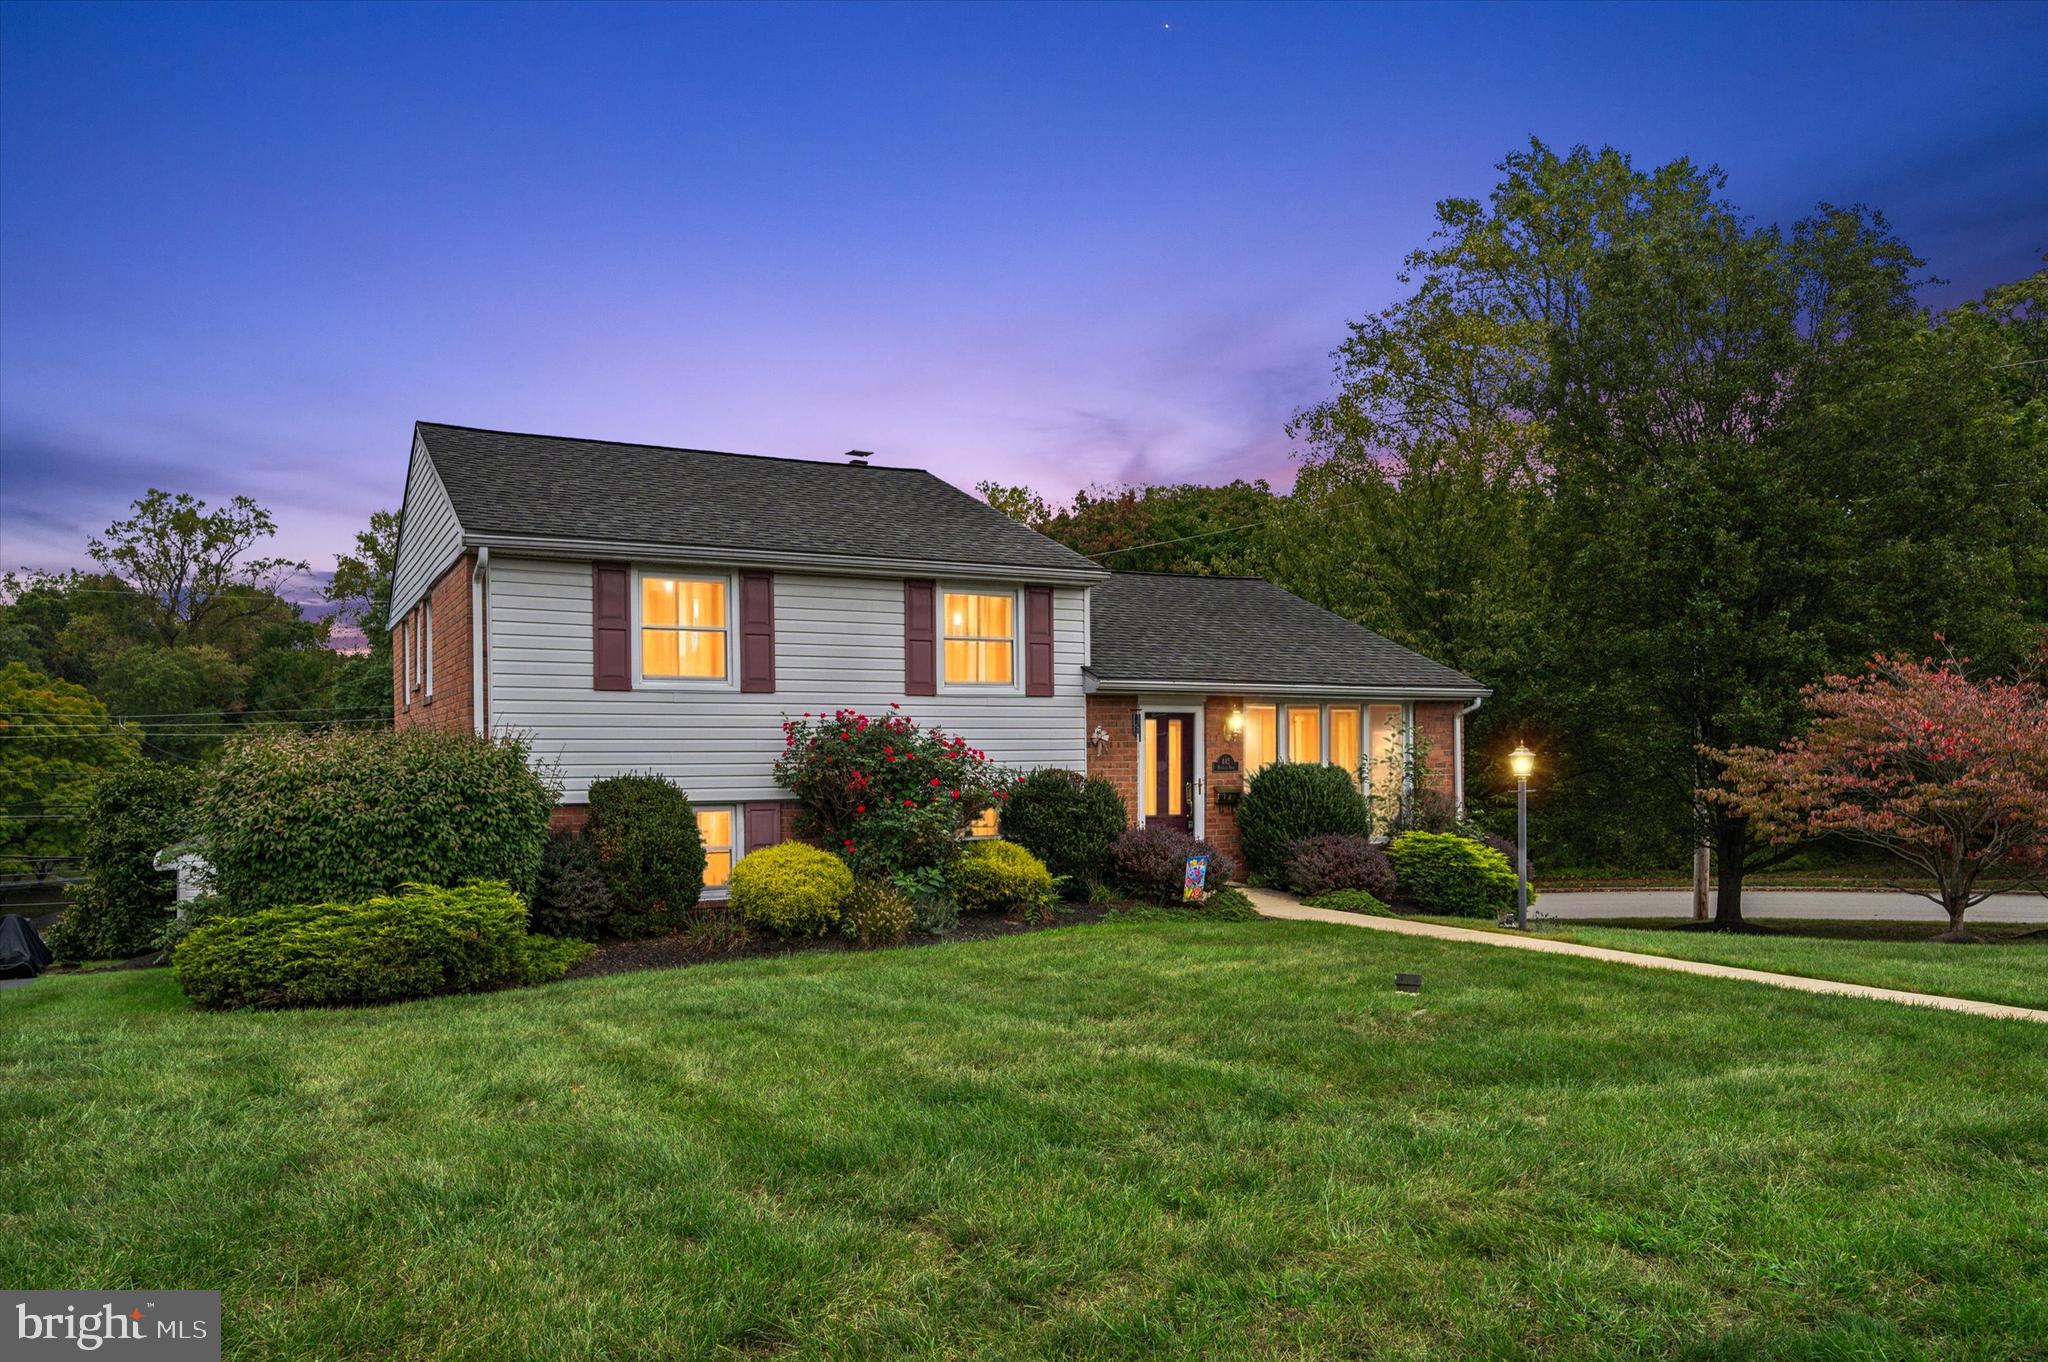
<point>1346,748</point>
<point>1261,738</point>
<point>1304,733</point>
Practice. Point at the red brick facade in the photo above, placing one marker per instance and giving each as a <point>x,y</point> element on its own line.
<point>1117,759</point>
<point>452,706</point>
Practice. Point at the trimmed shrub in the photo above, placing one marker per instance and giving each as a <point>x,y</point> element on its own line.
<point>570,897</point>
<point>295,818</point>
<point>126,903</point>
<point>791,889</point>
<point>1151,863</point>
<point>1442,872</point>
<point>1229,905</point>
<point>1316,865</point>
<point>1289,801</point>
<point>420,941</point>
<point>1066,820</point>
<point>1002,877</point>
<point>876,913</point>
<point>1351,901</point>
<point>645,834</point>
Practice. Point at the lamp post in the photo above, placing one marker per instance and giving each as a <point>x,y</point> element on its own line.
<point>1521,761</point>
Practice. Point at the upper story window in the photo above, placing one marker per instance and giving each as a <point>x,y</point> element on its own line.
<point>683,628</point>
<point>981,638</point>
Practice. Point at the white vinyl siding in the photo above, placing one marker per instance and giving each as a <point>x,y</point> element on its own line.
<point>430,538</point>
<point>838,641</point>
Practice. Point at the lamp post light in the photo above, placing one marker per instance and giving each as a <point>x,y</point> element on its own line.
<point>1521,761</point>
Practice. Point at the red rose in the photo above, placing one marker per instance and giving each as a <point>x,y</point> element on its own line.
<point>956,794</point>
<point>935,781</point>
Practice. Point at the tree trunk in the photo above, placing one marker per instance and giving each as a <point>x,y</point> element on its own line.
<point>1731,846</point>
<point>1955,905</point>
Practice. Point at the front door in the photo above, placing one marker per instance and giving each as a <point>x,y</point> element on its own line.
<point>1170,783</point>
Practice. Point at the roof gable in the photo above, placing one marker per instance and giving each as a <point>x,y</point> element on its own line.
<point>650,498</point>
<point>1245,632</point>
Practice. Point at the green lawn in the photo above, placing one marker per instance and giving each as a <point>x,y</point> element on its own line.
<point>2006,969</point>
<point>1180,1139</point>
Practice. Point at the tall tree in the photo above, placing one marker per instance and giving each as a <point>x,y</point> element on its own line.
<point>361,587</point>
<point>56,741</point>
<point>193,566</point>
<point>1733,434</point>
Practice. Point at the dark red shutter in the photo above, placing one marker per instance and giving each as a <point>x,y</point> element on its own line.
<point>611,627</point>
<point>920,638</point>
<point>1038,640</point>
<point>764,825</point>
<point>757,631</point>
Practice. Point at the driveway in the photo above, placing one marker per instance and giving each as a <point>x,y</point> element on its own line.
<point>1856,905</point>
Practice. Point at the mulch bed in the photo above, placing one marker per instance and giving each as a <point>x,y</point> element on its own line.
<point>668,952</point>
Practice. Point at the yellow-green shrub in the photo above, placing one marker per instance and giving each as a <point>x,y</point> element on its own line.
<point>790,888</point>
<point>421,940</point>
<point>1001,876</point>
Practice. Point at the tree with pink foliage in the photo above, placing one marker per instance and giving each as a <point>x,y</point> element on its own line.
<point>1948,774</point>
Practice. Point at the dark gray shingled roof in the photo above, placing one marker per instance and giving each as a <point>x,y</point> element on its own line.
<point>547,486</point>
<point>1241,631</point>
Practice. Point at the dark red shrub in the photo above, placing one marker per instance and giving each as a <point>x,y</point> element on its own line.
<point>1150,863</point>
<point>1317,865</point>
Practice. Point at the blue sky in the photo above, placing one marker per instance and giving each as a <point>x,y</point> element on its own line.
<point>242,248</point>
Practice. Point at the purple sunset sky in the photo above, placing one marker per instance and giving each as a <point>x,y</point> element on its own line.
<point>243,248</point>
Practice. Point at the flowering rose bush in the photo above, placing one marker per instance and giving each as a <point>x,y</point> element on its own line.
<point>884,793</point>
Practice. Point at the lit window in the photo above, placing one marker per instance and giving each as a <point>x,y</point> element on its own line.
<point>682,628</point>
<point>1304,733</point>
<point>1389,744</point>
<point>985,826</point>
<point>427,647</point>
<point>714,829</point>
<point>1345,749</point>
<point>981,635</point>
<point>1261,738</point>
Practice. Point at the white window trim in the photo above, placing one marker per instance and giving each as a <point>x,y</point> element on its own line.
<point>427,647</point>
<point>641,680</point>
<point>1015,685</point>
<point>739,836</point>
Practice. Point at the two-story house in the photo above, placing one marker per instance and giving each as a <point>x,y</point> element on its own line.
<point>636,608</point>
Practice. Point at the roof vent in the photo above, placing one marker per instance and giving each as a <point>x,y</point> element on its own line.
<point>859,457</point>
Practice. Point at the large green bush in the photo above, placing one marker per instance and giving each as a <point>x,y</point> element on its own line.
<point>288,818</point>
<point>1442,872</point>
<point>791,889</point>
<point>1003,877</point>
<point>645,832</point>
<point>1289,801</point>
<point>571,897</point>
<point>125,902</point>
<point>1067,821</point>
<point>417,942</point>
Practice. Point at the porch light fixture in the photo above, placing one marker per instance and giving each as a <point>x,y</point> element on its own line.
<point>1523,763</point>
<point>1236,720</point>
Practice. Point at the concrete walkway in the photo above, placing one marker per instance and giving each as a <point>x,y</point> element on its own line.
<point>1846,905</point>
<point>1286,906</point>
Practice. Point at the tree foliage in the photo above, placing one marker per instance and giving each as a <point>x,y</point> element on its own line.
<point>1946,774</point>
<point>56,743</point>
